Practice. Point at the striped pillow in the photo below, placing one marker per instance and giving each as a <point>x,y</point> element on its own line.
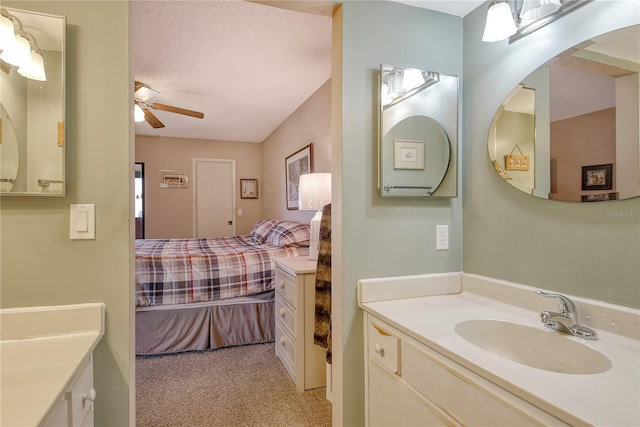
<point>261,230</point>
<point>289,233</point>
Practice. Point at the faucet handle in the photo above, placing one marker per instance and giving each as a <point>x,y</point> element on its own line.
<point>565,305</point>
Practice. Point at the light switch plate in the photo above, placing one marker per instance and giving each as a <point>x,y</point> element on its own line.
<point>82,222</point>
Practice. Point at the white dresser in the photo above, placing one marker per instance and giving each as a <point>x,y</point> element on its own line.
<point>295,313</point>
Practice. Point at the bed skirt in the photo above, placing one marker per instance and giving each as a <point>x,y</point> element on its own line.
<point>202,326</point>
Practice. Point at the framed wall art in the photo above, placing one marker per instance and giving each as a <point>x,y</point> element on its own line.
<point>173,179</point>
<point>248,188</point>
<point>408,154</point>
<point>597,177</point>
<point>296,164</point>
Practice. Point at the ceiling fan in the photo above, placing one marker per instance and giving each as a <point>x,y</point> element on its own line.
<point>143,94</point>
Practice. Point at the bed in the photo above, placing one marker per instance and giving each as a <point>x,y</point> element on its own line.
<point>199,294</point>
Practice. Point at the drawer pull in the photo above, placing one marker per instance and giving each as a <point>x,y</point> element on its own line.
<point>90,395</point>
<point>281,284</point>
<point>283,341</point>
<point>282,312</point>
<point>379,348</point>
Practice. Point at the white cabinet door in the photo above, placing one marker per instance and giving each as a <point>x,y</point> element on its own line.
<point>392,403</point>
<point>214,192</point>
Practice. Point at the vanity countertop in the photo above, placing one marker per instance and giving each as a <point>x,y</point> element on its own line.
<point>609,398</point>
<point>36,367</point>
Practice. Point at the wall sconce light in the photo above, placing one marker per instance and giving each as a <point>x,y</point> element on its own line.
<point>517,18</point>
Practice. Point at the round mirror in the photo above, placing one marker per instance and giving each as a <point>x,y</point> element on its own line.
<point>571,130</point>
<point>9,156</point>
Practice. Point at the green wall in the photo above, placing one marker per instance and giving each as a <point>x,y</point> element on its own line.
<point>39,264</point>
<point>589,249</point>
<point>385,237</point>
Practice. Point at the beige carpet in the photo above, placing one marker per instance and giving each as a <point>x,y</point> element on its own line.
<point>236,386</point>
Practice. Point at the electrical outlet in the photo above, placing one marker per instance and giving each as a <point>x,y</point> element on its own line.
<point>442,237</point>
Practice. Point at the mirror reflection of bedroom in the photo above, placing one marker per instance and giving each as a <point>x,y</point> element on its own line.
<point>232,252</point>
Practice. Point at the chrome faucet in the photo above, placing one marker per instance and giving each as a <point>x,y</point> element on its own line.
<point>567,319</point>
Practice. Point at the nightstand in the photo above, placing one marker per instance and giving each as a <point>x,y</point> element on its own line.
<point>295,314</point>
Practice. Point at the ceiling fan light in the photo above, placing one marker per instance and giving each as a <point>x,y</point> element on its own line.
<point>138,114</point>
<point>500,23</point>
<point>34,70</point>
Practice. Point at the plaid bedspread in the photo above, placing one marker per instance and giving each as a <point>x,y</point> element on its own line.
<point>178,271</point>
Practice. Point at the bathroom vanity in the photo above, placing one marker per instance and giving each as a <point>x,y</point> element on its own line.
<point>459,349</point>
<point>46,365</point>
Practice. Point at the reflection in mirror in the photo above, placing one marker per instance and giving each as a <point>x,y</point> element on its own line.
<point>33,105</point>
<point>418,127</point>
<point>571,130</point>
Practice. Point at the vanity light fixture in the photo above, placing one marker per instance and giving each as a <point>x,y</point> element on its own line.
<point>20,52</point>
<point>532,10</point>
<point>7,31</point>
<point>515,19</point>
<point>402,83</point>
<point>500,23</point>
<point>20,48</point>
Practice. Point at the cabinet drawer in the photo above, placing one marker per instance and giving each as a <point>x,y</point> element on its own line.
<point>468,398</point>
<point>286,315</point>
<point>286,286</point>
<point>286,349</point>
<point>384,347</point>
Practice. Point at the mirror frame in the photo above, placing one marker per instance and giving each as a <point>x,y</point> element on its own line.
<point>45,183</point>
<point>437,99</point>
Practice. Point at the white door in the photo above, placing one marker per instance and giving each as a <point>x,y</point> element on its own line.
<point>214,202</point>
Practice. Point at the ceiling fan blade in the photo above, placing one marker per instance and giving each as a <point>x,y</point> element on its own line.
<point>144,92</point>
<point>177,110</point>
<point>152,119</point>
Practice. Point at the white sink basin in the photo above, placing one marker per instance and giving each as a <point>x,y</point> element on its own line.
<point>536,348</point>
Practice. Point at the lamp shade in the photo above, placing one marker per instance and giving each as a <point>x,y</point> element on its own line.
<point>7,33</point>
<point>19,53</point>
<point>500,24</point>
<point>35,69</point>
<point>536,9</point>
<point>314,191</point>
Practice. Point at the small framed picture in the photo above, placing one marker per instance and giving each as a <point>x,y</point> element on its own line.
<point>597,177</point>
<point>408,154</point>
<point>248,188</point>
<point>173,179</point>
<point>296,164</point>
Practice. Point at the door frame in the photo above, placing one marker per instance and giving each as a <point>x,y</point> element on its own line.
<point>195,184</point>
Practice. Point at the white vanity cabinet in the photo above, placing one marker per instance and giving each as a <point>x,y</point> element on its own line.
<point>408,383</point>
<point>74,407</point>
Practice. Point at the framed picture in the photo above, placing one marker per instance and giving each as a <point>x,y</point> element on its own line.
<point>296,164</point>
<point>597,177</point>
<point>408,154</point>
<point>248,188</point>
<point>173,179</point>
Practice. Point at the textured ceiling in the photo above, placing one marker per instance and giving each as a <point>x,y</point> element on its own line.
<point>246,66</point>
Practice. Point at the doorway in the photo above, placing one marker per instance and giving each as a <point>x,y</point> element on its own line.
<point>139,199</point>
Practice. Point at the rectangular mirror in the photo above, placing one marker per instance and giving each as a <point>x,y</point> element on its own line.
<point>418,133</point>
<point>32,98</point>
